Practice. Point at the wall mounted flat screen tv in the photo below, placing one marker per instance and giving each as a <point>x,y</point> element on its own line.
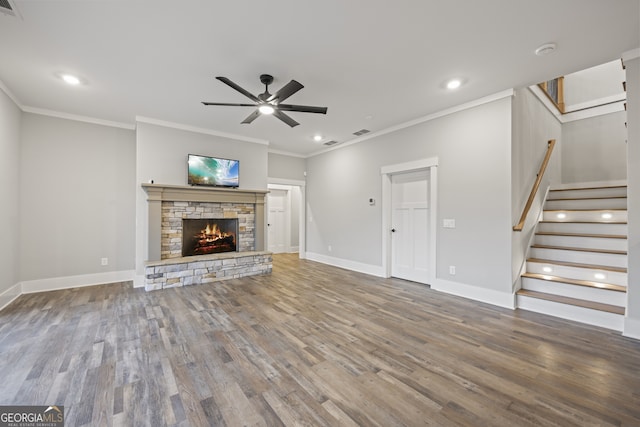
<point>213,171</point>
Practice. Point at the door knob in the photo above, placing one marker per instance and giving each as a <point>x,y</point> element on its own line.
<point>393,230</point>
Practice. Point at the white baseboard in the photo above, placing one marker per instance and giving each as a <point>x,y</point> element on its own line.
<point>476,293</point>
<point>55,283</point>
<point>374,270</point>
<point>631,328</point>
<point>9,295</point>
<point>138,281</point>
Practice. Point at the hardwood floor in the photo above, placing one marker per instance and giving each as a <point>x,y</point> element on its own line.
<point>309,345</point>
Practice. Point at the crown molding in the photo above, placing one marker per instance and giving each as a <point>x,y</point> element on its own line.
<point>188,128</point>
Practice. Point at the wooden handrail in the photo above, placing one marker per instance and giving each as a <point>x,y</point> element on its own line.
<point>536,185</point>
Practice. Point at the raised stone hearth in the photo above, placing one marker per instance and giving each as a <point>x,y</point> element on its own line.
<point>196,270</point>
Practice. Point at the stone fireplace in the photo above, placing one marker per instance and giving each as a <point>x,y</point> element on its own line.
<point>200,235</point>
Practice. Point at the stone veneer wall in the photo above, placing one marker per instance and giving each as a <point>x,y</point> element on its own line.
<point>204,269</point>
<point>174,212</point>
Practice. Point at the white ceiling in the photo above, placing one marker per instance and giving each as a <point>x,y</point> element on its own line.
<point>373,63</point>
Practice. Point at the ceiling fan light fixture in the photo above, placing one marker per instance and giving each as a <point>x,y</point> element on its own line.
<point>266,109</point>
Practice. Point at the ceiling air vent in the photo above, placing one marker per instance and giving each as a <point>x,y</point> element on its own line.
<point>361,132</point>
<point>330,143</point>
<point>7,7</point>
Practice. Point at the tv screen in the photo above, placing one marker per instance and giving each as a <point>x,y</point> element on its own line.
<point>213,171</point>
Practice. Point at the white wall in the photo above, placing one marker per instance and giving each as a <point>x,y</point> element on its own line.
<point>533,126</point>
<point>632,321</point>
<point>77,198</point>
<point>474,151</point>
<point>595,149</point>
<point>161,156</point>
<point>10,123</point>
<point>593,85</point>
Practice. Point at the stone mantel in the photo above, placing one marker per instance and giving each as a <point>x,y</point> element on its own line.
<point>158,193</point>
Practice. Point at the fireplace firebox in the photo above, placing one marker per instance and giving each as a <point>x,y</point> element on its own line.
<point>209,236</point>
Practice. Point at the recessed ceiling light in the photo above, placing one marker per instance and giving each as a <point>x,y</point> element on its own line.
<point>546,49</point>
<point>600,276</point>
<point>454,84</point>
<point>561,216</point>
<point>606,216</point>
<point>317,138</point>
<point>70,79</point>
<point>547,269</point>
<point>266,109</point>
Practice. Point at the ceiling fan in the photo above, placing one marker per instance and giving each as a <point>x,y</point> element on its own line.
<point>267,103</point>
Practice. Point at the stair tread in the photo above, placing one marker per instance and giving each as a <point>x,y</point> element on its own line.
<point>578,265</point>
<point>566,248</point>
<point>586,283</point>
<point>546,221</point>
<point>585,198</point>
<point>597,236</point>
<point>595,187</point>
<point>573,301</point>
<point>586,210</point>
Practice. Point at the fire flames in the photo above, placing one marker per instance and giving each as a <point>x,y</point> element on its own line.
<point>213,233</point>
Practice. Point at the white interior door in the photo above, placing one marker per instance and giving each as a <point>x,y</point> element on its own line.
<point>410,226</point>
<point>277,220</point>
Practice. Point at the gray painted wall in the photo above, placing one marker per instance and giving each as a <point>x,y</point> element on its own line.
<point>287,167</point>
<point>10,122</point>
<point>633,111</point>
<point>595,149</point>
<point>474,151</point>
<point>77,198</point>
<point>162,156</point>
<point>533,126</point>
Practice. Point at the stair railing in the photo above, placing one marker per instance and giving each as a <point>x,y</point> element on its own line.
<point>536,185</point>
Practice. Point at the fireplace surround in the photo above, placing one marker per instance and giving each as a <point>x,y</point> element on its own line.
<point>169,205</point>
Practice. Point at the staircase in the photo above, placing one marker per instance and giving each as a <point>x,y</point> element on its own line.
<point>577,265</point>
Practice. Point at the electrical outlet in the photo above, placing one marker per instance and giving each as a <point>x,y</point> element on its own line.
<point>452,270</point>
<point>449,223</point>
<point>104,261</point>
<point>329,248</point>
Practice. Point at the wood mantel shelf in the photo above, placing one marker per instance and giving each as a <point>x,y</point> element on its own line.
<point>187,193</point>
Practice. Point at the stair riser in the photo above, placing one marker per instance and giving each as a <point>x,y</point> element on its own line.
<point>582,242</point>
<point>593,216</point>
<point>610,260</point>
<point>570,312</point>
<point>577,273</point>
<point>593,192</point>
<point>575,291</point>
<point>586,204</point>
<point>587,228</point>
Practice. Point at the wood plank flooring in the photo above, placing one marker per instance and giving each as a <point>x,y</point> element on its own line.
<point>309,345</point>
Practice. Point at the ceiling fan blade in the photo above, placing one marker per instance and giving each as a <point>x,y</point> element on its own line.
<point>225,104</point>
<point>238,88</point>
<point>251,117</point>
<point>286,91</point>
<point>302,108</point>
<point>288,120</point>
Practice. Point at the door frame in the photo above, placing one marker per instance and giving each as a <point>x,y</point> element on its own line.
<point>302,229</point>
<point>287,215</point>
<point>430,165</point>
